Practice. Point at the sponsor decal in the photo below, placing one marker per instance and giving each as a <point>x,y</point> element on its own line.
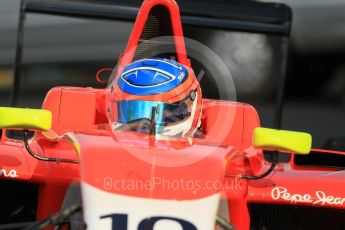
<point>181,76</point>
<point>8,173</point>
<point>320,198</point>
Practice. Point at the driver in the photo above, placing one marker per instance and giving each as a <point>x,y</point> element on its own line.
<point>156,91</point>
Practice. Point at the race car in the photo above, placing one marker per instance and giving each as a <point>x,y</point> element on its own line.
<point>149,152</point>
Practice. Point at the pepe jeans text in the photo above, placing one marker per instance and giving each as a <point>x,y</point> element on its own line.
<point>320,198</point>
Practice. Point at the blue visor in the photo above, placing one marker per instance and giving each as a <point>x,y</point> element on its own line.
<point>132,111</point>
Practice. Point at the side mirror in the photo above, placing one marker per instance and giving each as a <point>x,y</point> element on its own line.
<point>282,140</point>
<point>18,118</point>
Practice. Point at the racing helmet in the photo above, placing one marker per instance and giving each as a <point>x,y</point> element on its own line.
<point>159,89</point>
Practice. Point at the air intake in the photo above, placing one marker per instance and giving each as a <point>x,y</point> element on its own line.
<point>272,216</point>
<point>157,37</point>
<point>320,160</point>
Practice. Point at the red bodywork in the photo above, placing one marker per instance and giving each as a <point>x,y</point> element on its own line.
<point>229,151</point>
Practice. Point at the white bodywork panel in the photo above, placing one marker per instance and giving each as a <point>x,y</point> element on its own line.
<point>97,203</point>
